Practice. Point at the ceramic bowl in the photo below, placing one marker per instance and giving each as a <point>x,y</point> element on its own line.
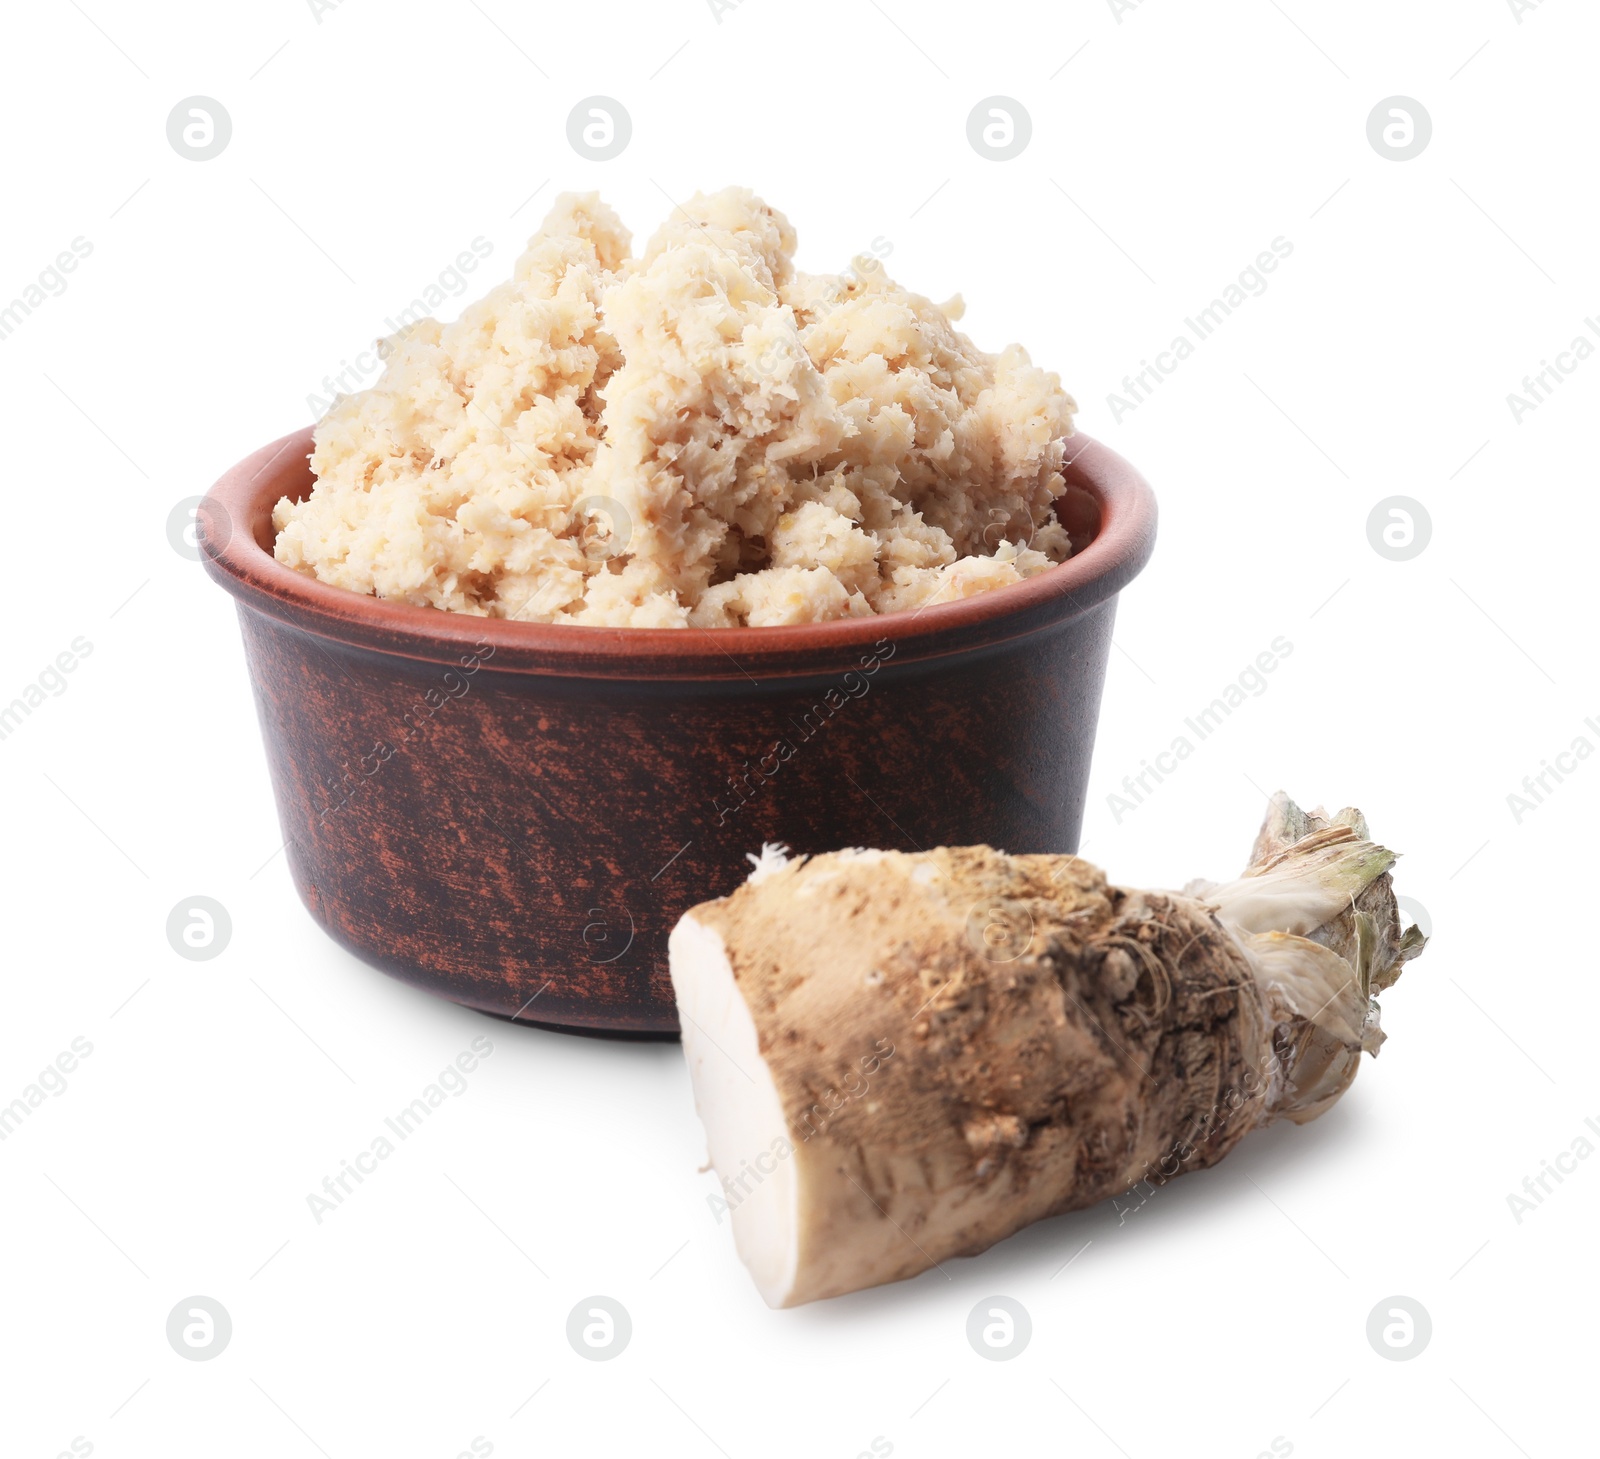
<point>513,815</point>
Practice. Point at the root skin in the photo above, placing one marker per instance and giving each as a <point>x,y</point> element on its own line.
<point>964,1042</point>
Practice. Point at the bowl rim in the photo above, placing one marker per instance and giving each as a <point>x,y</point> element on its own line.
<point>234,528</point>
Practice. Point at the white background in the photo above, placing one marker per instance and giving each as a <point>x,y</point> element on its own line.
<point>1170,146</point>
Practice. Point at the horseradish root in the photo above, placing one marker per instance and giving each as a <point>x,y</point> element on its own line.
<point>903,1058</point>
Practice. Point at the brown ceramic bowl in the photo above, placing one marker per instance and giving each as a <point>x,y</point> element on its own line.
<point>513,815</point>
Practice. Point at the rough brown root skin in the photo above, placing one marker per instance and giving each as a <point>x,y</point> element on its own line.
<point>958,1043</point>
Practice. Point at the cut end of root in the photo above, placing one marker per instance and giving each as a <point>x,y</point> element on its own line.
<point>746,1135</point>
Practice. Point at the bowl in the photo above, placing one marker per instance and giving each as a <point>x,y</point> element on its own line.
<point>513,815</point>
